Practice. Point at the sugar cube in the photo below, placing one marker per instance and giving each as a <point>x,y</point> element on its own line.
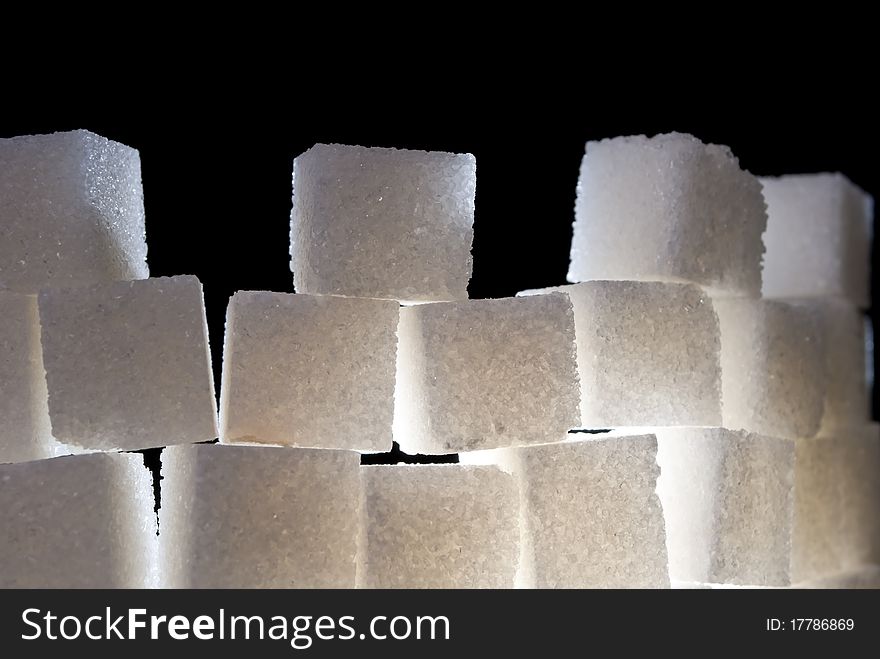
<point>258,517</point>
<point>591,515</point>
<point>127,364</point>
<point>727,500</point>
<point>818,238</point>
<point>382,223</point>
<point>71,211</point>
<point>773,367</point>
<point>439,526</point>
<point>861,492</point>
<point>648,354</point>
<point>668,208</point>
<point>482,374</point>
<point>843,338</point>
<point>817,544</point>
<point>309,371</point>
<point>84,521</point>
<point>836,519</point>
<point>25,433</point>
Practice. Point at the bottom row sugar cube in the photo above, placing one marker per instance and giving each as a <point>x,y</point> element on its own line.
<point>591,515</point>
<point>83,521</point>
<point>837,504</point>
<point>750,510</point>
<point>862,523</point>
<point>246,517</point>
<point>727,500</point>
<point>818,545</point>
<point>439,526</point>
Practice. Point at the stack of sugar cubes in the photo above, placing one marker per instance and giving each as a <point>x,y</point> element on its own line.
<point>379,343</point>
<point>655,423</point>
<point>754,389</point>
<point>96,359</point>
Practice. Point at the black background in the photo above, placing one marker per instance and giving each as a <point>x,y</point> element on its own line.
<point>217,178</point>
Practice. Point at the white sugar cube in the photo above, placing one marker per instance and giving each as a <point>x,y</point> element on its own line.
<point>25,433</point>
<point>483,374</point>
<point>309,371</point>
<point>258,517</point>
<point>727,499</point>
<point>818,238</point>
<point>84,521</point>
<point>817,545</point>
<point>71,211</point>
<point>668,208</point>
<point>439,526</point>
<point>25,429</point>
<point>127,364</point>
<point>591,515</point>
<point>843,339</point>
<point>382,223</point>
<point>861,492</point>
<point>773,367</point>
<point>648,354</point>
<point>837,517</point>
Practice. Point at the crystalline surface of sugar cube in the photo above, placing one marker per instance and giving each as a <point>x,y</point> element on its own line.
<point>127,364</point>
<point>482,374</point>
<point>439,526</point>
<point>818,238</point>
<point>837,521</point>
<point>843,332</point>
<point>25,429</point>
<point>71,211</point>
<point>84,521</point>
<point>816,545</point>
<point>382,223</point>
<point>773,367</point>
<point>25,433</point>
<point>590,513</point>
<point>861,492</point>
<point>258,517</point>
<point>309,371</point>
<point>727,500</point>
<point>668,208</point>
<point>648,354</point>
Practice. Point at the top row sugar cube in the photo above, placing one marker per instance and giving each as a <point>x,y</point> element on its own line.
<point>668,208</point>
<point>818,238</point>
<point>382,223</point>
<point>71,212</point>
